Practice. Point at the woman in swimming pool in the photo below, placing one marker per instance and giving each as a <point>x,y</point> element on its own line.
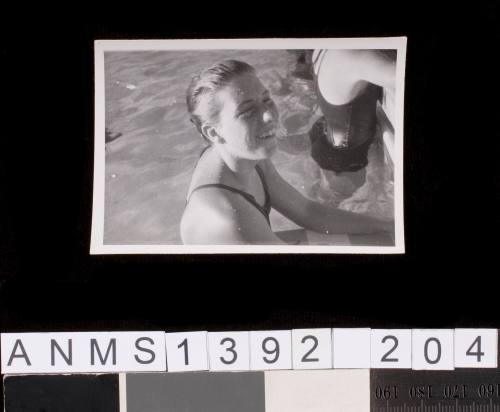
<point>235,184</point>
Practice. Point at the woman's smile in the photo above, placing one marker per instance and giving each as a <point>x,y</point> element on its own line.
<point>268,134</point>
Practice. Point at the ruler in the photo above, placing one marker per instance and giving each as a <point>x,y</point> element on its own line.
<point>461,390</point>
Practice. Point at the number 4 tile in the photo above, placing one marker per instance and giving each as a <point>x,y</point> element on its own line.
<point>476,348</point>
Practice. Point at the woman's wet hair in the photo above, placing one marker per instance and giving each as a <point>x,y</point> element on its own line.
<point>201,91</point>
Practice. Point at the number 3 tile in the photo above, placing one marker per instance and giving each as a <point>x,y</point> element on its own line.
<point>228,351</point>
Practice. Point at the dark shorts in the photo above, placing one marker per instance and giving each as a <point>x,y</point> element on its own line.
<point>337,159</point>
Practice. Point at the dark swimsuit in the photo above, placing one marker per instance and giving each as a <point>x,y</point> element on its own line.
<point>357,118</point>
<point>265,209</point>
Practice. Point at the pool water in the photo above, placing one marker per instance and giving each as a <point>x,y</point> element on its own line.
<point>152,147</point>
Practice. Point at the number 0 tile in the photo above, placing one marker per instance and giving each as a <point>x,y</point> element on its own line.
<point>432,349</point>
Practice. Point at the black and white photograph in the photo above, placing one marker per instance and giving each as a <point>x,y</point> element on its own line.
<point>249,146</point>
<point>214,210</point>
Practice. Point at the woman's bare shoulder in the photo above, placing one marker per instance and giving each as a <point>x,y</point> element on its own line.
<point>217,216</point>
<point>209,210</point>
<point>205,172</point>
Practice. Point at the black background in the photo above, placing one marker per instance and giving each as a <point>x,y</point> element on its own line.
<point>82,393</point>
<point>447,278</point>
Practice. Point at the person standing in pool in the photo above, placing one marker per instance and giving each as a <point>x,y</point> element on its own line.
<point>234,184</point>
<point>349,83</point>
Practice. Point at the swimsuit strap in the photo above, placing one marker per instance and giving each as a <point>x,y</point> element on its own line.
<point>265,209</point>
<point>204,150</point>
<point>267,201</point>
<point>248,197</point>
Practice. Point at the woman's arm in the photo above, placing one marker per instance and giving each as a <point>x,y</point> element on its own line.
<point>313,215</point>
<point>330,220</point>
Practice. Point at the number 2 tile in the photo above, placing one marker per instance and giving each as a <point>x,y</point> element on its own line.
<point>391,348</point>
<point>312,348</point>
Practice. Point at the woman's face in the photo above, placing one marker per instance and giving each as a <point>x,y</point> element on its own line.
<point>248,118</point>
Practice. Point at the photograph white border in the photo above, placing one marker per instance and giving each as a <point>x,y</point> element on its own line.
<point>97,245</point>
